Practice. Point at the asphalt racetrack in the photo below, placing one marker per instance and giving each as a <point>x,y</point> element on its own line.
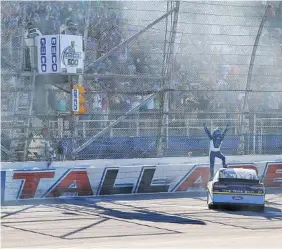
<point>148,221</point>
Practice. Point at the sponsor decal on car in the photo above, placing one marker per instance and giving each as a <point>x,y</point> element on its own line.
<point>237,198</point>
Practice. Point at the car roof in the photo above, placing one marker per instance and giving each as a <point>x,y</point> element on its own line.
<point>238,171</point>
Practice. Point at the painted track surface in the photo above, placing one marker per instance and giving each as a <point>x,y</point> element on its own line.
<point>165,222</point>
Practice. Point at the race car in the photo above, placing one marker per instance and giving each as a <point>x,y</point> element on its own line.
<point>236,187</point>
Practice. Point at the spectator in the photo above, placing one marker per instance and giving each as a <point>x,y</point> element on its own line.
<point>30,33</point>
<point>97,103</point>
<point>63,149</point>
<point>97,108</point>
<point>69,28</point>
<point>62,102</point>
<point>39,147</point>
<point>127,104</point>
<point>105,109</point>
<point>6,142</point>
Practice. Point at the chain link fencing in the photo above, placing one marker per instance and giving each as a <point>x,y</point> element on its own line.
<point>175,77</point>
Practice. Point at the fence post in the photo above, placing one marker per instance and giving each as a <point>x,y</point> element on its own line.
<point>254,135</point>
<point>260,138</point>
<point>137,125</point>
<point>249,80</point>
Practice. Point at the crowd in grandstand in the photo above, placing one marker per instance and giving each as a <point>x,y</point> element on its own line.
<point>275,22</point>
<point>105,31</point>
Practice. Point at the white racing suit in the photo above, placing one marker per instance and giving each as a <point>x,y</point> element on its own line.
<point>214,150</point>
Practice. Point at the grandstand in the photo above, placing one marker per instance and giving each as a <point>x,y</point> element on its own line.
<point>153,74</point>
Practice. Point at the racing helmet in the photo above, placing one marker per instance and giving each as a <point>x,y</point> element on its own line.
<point>216,132</point>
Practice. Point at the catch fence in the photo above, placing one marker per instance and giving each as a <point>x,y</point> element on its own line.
<point>154,73</point>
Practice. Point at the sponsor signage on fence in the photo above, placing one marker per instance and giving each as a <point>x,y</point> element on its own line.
<point>54,183</point>
<point>75,100</point>
<point>71,54</point>
<point>59,54</point>
<point>48,52</point>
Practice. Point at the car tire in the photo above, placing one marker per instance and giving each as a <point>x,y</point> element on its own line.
<point>260,209</point>
<point>211,206</point>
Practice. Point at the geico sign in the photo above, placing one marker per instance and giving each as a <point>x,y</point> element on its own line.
<point>54,54</point>
<point>44,57</point>
<point>76,181</point>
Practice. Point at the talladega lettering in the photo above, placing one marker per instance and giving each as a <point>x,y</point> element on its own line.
<point>76,181</point>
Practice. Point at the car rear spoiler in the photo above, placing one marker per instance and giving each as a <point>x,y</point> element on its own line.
<point>239,180</point>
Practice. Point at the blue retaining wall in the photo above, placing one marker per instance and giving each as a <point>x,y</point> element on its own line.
<point>3,182</point>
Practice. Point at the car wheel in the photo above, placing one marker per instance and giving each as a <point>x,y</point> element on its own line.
<point>211,206</point>
<point>260,209</point>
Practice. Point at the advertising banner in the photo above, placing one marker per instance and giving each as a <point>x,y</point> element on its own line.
<point>99,181</point>
<point>71,54</point>
<point>48,60</point>
<point>75,100</point>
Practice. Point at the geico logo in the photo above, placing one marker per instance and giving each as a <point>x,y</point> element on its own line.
<point>54,54</point>
<point>75,93</point>
<point>75,99</point>
<point>43,57</point>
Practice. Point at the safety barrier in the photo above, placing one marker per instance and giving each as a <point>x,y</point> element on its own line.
<point>60,182</point>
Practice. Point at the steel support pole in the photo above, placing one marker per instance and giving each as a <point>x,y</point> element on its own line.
<point>242,125</point>
<point>162,140</point>
<point>29,114</point>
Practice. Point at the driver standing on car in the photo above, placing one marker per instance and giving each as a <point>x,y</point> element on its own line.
<point>215,143</point>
